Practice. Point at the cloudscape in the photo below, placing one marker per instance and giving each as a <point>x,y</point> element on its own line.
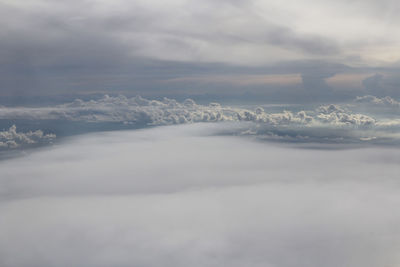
<point>199,133</point>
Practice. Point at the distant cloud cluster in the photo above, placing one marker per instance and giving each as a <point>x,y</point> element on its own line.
<point>325,123</point>
<point>12,139</point>
<point>335,115</point>
<point>169,111</point>
<point>387,101</point>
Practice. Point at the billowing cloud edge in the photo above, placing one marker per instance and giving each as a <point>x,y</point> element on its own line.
<point>326,123</point>
<point>169,111</point>
<point>11,139</point>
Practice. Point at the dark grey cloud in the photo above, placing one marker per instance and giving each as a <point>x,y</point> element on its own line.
<point>383,85</point>
<point>81,47</point>
<point>53,48</point>
<point>310,44</point>
<point>373,84</point>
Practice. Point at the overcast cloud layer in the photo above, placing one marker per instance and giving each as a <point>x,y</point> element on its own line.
<point>176,196</point>
<point>281,51</point>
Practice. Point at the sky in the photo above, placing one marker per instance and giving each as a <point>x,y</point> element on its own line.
<point>199,133</point>
<point>288,51</point>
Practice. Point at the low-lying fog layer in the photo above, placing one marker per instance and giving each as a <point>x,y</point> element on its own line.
<point>185,196</point>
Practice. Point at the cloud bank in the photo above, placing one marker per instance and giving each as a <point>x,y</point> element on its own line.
<point>169,111</point>
<point>176,196</point>
<point>325,123</point>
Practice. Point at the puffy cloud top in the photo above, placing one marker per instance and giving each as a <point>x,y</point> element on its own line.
<point>325,123</point>
<point>169,111</point>
<point>336,115</point>
<point>11,139</point>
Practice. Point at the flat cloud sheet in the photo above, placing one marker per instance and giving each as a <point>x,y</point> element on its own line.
<point>185,196</point>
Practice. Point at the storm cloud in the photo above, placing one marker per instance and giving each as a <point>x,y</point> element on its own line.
<point>80,47</point>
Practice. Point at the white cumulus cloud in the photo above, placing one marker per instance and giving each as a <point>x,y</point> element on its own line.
<point>324,124</point>
<point>13,139</point>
